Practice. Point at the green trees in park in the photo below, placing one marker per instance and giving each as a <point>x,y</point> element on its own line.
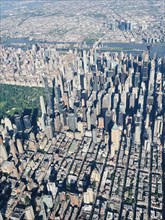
<point>15,99</point>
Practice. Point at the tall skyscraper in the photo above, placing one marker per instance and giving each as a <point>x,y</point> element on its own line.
<point>115,135</point>
<point>57,93</point>
<point>89,119</point>
<point>137,79</point>
<point>48,97</point>
<point>145,67</point>
<point>108,118</point>
<point>158,126</point>
<point>27,123</point>
<point>48,119</point>
<point>138,121</point>
<point>19,146</point>
<point>42,104</point>
<point>85,61</point>
<point>18,122</point>
<point>94,135</point>
<point>72,122</point>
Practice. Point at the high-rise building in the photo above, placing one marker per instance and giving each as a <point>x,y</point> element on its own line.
<point>48,97</point>
<point>89,119</point>
<point>27,123</point>
<point>72,122</point>
<point>137,134</point>
<point>158,126</point>
<point>122,107</point>
<point>108,118</point>
<point>120,119</point>
<point>101,122</point>
<point>132,101</point>
<point>8,124</point>
<point>18,122</point>
<point>61,83</point>
<point>115,101</point>
<point>82,81</point>
<point>115,139</point>
<point>19,146</point>
<point>3,150</point>
<point>115,135</point>
<point>106,102</point>
<point>50,124</point>
<point>13,150</point>
<point>43,122</point>
<point>137,79</point>
<point>29,213</point>
<point>51,187</point>
<point>138,121</point>
<point>42,104</point>
<point>94,135</point>
<point>57,122</point>
<point>96,82</point>
<point>145,67</point>
<point>85,61</point>
<point>91,57</point>
<point>57,93</point>
<point>99,67</point>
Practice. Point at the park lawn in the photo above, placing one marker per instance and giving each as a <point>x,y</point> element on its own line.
<point>2,104</point>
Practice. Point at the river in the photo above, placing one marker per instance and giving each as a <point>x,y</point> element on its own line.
<point>133,48</point>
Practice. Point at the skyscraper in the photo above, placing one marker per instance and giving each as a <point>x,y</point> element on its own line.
<point>72,122</point>
<point>48,97</point>
<point>94,135</point>
<point>29,213</point>
<point>3,150</point>
<point>42,104</point>
<point>89,119</point>
<point>145,67</point>
<point>27,123</point>
<point>57,92</point>
<point>115,135</point>
<point>108,118</point>
<point>138,121</point>
<point>19,146</point>
<point>18,122</point>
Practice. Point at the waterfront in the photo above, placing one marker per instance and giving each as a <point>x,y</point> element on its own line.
<point>25,43</point>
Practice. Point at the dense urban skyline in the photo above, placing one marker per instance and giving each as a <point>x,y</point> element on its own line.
<point>82,120</point>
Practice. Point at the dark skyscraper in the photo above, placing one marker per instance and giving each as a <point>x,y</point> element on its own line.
<point>82,81</point>
<point>50,113</point>
<point>99,63</point>
<point>18,122</point>
<point>48,97</point>
<point>26,121</point>
<point>107,120</point>
<point>145,68</point>
<point>57,93</point>
<point>137,79</point>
